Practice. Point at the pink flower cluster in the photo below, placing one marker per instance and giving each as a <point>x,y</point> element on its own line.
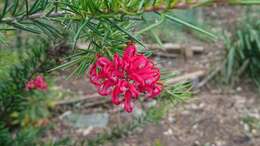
<point>126,77</point>
<point>37,83</point>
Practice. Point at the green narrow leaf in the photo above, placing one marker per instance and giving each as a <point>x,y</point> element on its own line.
<point>248,44</point>
<point>27,7</point>
<point>24,27</point>
<point>141,4</point>
<point>16,3</point>
<point>162,18</point>
<point>4,9</point>
<point>125,31</point>
<point>76,37</point>
<point>230,62</point>
<point>94,28</point>
<point>189,25</point>
<point>244,2</point>
<point>66,65</point>
<point>157,38</point>
<point>35,7</point>
<point>47,28</point>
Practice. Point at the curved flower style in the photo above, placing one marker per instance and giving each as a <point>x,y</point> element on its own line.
<point>38,83</point>
<point>126,78</point>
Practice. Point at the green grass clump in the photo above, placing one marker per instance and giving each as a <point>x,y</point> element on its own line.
<point>243,53</point>
<point>252,122</point>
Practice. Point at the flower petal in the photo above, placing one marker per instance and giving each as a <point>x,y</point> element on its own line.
<point>133,91</point>
<point>105,88</point>
<point>39,83</point>
<point>155,90</point>
<point>102,62</point>
<point>129,51</point>
<point>117,61</point>
<point>127,103</point>
<point>115,95</point>
<point>93,76</point>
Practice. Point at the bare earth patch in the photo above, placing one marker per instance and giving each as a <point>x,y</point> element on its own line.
<point>209,119</point>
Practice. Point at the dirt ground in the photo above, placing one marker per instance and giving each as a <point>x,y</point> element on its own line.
<point>209,119</point>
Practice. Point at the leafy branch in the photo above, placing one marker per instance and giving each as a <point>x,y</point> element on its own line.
<point>104,25</point>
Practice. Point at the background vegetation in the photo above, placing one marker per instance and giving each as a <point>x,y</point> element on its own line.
<point>40,32</point>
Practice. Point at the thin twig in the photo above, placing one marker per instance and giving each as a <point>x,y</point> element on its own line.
<point>166,55</point>
<point>64,102</point>
<point>98,102</point>
<point>185,77</point>
<point>175,47</point>
<point>180,5</point>
<point>210,76</point>
<point>33,16</point>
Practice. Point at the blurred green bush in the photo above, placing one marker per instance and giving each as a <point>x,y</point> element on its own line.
<point>18,107</point>
<point>243,53</point>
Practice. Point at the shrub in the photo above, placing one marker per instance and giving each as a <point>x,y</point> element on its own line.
<point>23,112</point>
<point>12,86</point>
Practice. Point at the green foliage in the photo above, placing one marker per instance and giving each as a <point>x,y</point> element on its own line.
<point>106,26</point>
<point>155,114</point>
<point>252,122</point>
<point>243,53</point>
<point>157,142</point>
<point>12,85</point>
<point>7,59</point>
<point>30,121</point>
<point>24,111</point>
<point>5,137</point>
<point>178,92</point>
<point>35,107</point>
<point>29,16</point>
<point>162,31</point>
<point>24,137</point>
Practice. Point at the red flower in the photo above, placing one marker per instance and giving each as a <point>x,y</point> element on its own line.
<point>30,85</point>
<point>38,83</point>
<point>126,78</point>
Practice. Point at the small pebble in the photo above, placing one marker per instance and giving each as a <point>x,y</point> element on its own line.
<point>254,131</point>
<point>246,127</point>
<point>171,119</point>
<point>197,143</point>
<point>195,126</point>
<point>168,132</point>
<point>239,89</point>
